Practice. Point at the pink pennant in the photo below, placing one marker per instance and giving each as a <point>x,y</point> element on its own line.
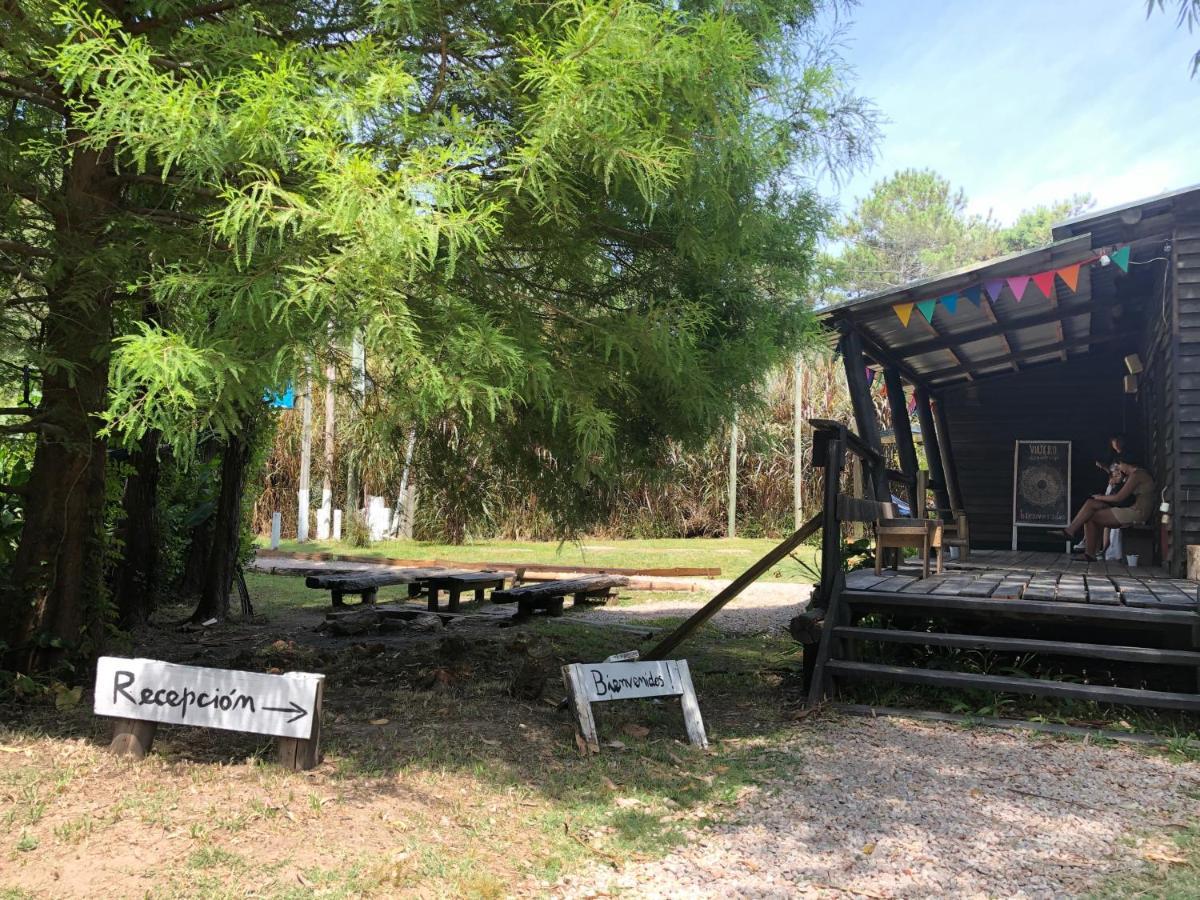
<point>1045,284</point>
<point>1017,285</point>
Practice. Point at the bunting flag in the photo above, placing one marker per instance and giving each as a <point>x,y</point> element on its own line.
<point>993,287</point>
<point>870,376</point>
<point>912,404</point>
<point>1017,285</point>
<point>1045,284</point>
<point>285,399</point>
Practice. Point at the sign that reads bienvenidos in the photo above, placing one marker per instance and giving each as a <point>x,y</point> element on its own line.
<point>280,705</point>
<point>589,683</point>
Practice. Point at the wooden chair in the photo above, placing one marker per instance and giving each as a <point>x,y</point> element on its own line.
<point>924,535</point>
<point>955,530</point>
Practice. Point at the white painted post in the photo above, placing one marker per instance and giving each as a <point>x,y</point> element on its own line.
<point>337,524</point>
<point>306,414</point>
<point>325,515</point>
<point>276,528</point>
<point>732,500</point>
<point>798,442</point>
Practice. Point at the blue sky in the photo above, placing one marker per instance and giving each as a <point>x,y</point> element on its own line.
<point>1021,102</point>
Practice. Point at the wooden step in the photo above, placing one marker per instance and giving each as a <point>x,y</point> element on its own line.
<point>1004,683</point>
<point>1151,655</point>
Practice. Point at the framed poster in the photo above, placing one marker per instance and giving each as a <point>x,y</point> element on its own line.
<point>1041,485</point>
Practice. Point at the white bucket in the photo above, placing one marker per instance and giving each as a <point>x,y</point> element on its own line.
<point>1132,560</point>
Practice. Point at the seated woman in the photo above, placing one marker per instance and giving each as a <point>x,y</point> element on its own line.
<point>1103,510</point>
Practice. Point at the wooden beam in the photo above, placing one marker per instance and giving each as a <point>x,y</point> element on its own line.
<point>739,584</point>
<point>901,426</point>
<point>933,452</point>
<point>949,467</point>
<point>990,315</point>
<point>1028,353</point>
<point>864,409</point>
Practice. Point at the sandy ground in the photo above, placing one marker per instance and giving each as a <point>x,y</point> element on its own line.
<point>889,808</point>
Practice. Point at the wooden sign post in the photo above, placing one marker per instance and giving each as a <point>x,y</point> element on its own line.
<point>140,693</point>
<point>589,683</point>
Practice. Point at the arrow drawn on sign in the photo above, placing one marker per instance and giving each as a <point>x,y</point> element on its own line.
<point>299,711</point>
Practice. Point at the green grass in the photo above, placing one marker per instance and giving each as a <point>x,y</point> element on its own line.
<point>732,557</point>
<point>1172,871</point>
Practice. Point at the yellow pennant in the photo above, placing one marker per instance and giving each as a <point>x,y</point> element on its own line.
<point>903,312</point>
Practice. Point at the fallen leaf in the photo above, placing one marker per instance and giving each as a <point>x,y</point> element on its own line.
<point>609,783</point>
<point>628,802</point>
<point>615,745</point>
<point>379,721</point>
<point>634,730</point>
<point>868,848</point>
<point>1164,857</point>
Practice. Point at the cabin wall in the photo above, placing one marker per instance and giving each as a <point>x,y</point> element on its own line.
<point>1081,400</point>
<point>1184,315</point>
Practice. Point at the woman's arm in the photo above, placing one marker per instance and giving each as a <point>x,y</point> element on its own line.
<point>1120,495</point>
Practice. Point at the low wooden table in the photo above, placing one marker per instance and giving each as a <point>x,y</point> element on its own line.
<point>454,583</point>
<point>550,596</point>
<point>367,584</point>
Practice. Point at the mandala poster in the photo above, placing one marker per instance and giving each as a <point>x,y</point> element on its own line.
<point>1042,483</point>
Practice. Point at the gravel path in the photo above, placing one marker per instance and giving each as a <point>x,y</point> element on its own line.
<point>887,808</point>
<point>762,608</point>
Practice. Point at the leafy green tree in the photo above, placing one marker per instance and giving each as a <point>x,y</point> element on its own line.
<point>1188,14</point>
<point>914,225</point>
<point>581,218</point>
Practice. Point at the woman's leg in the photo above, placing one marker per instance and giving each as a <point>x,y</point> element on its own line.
<point>1101,519</point>
<point>1084,515</point>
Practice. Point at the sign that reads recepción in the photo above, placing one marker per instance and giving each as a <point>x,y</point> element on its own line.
<point>1042,483</point>
<point>147,689</point>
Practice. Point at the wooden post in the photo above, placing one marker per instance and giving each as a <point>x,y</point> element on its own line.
<point>947,450</point>
<point>585,723</point>
<point>905,449</point>
<point>864,410</point>
<point>691,709</point>
<point>302,495</point>
<point>731,502</point>
<point>133,737</point>
<point>276,529</point>
<point>798,443</point>
<point>831,526</point>
<point>856,482</point>
<point>933,453</point>
<point>298,754</point>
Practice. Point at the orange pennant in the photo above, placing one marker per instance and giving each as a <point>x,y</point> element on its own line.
<point>1045,284</point>
<point>903,312</point>
<point>1070,276</point>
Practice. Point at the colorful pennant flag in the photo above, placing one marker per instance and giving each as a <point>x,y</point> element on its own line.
<point>1070,276</point>
<point>912,404</point>
<point>1017,285</point>
<point>1045,284</point>
<point>870,376</point>
<point>1121,258</point>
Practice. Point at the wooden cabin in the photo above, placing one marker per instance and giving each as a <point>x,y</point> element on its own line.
<point>1104,338</point>
<point>1021,368</point>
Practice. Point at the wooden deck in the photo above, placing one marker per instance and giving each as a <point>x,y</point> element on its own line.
<point>1036,576</point>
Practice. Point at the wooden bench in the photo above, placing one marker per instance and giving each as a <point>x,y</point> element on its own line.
<point>454,583</point>
<point>367,584</point>
<point>550,596</point>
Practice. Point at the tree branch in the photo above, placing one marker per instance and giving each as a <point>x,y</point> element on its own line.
<point>198,12</point>
<point>24,249</point>
<point>25,89</point>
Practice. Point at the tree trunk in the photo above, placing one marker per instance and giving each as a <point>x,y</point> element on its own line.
<point>136,581</point>
<point>55,602</point>
<point>217,578</point>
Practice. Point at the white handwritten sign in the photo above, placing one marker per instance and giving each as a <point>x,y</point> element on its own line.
<point>626,680</point>
<point>280,705</point>
<point>589,683</point>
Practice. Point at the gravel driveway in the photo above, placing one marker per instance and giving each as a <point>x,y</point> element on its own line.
<point>888,808</point>
<point>762,608</point>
